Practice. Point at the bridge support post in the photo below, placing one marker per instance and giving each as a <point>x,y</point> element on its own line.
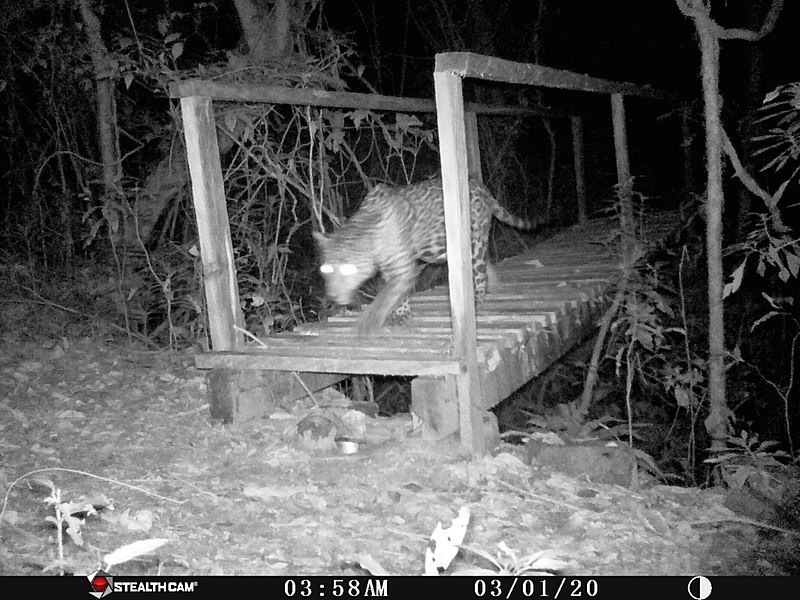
<point>236,396</point>
<point>435,401</point>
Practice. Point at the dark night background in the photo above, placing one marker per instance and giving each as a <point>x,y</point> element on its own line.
<point>105,251</point>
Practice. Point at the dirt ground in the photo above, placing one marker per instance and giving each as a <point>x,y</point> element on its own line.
<point>133,429</point>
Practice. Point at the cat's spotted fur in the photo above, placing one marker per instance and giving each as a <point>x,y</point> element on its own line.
<point>394,228</point>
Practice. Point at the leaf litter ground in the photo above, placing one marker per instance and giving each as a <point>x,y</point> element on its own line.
<point>252,499</point>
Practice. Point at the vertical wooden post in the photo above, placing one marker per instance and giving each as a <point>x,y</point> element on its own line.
<point>213,228</point>
<point>623,174</point>
<point>473,147</point>
<point>688,164</point>
<point>580,170</point>
<point>455,184</point>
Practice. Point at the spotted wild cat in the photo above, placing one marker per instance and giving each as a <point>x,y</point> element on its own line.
<point>393,228</point>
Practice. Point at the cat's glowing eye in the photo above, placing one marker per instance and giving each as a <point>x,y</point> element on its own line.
<point>326,268</point>
<point>348,269</point>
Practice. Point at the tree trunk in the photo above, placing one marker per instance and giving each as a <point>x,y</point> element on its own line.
<point>718,421</point>
<point>267,26</point>
<point>106,109</point>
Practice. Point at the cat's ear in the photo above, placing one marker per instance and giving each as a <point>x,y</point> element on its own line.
<point>320,238</point>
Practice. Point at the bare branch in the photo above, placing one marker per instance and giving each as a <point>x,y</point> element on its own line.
<point>771,201</point>
<point>752,36</point>
<point>742,174</point>
<point>698,9</point>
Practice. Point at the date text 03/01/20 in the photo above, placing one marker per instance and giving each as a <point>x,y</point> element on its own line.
<point>506,587</point>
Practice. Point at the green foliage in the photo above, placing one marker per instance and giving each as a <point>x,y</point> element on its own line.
<point>508,562</point>
<point>768,250</point>
<point>748,461</point>
<point>764,281</point>
<point>70,516</point>
<point>645,332</point>
<point>66,518</point>
<point>656,348</point>
<point>651,349</point>
<point>779,145</point>
<point>657,340</point>
<point>46,136</point>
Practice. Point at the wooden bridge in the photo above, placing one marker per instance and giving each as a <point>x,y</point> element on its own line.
<point>464,361</point>
<point>549,300</point>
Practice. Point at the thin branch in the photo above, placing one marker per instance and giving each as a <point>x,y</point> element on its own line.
<point>742,174</point>
<point>592,375</point>
<point>745,521</point>
<point>752,186</point>
<point>752,36</point>
<point>697,9</point>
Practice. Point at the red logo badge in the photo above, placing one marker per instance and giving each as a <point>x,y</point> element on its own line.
<point>102,584</point>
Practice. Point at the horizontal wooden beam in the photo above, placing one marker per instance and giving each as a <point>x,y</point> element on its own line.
<point>282,360</point>
<point>314,97</point>
<point>468,64</point>
<point>342,329</point>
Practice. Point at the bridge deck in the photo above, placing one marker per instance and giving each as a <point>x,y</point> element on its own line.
<point>549,299</point>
